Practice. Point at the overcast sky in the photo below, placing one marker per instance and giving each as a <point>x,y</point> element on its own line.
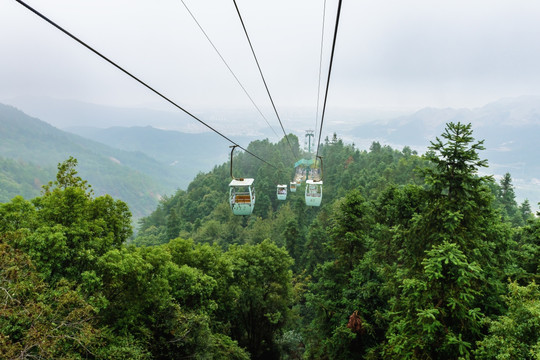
<point>389,54</point>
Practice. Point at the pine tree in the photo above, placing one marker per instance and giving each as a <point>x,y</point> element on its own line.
<point>450,277</point>
<point>507,198</point>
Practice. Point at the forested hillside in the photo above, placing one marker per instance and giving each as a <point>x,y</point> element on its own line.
<point>21,178</point>
<point>134,177</point>
<point>409,257</point>
<point>184,154</point>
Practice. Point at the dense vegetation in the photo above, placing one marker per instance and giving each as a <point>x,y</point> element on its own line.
<point>24,179</point>
<point>36,147</point>
<point>410,257</point>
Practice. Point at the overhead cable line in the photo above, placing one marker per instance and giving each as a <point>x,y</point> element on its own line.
<point>228,67</point>
<point>320,67</point>
<point>136,79</point>
<point>262,76</point>
<point>329,72</point>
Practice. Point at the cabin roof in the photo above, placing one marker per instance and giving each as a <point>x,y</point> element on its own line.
<point>242,182</point>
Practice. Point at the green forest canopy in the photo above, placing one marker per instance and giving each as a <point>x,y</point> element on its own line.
<point>410,257</point>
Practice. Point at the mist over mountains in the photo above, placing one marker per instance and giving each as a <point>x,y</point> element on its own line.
<point>72,114</point>
<point>184,154</point>
<point>139,165</point>
<point>509,127</point>
<point>132,144</point>
<point>130,176</point>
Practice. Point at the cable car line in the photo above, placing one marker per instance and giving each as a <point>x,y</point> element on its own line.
<point>329,72</point>
<point>228,67</point>
<point>262,76</point>
<point>320,68</point>
<point>135,78</point>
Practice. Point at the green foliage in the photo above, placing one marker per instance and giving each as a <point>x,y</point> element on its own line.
<point>66,230</point>
<point>418,269</point>
<point>262,284</point>
<point>32,148</point>
<point>526,211</point>
<point>452,252</point>
<point>291,345</point>
<point>316,247</point>
<point>38,320</point>
<point>437,313</point>
<point>67,177</point>
<point>351,221</point>
<point>515,335</point>
<point>505,201</point>
<point>395,264</point>
<point>202,212</point>
<point>129,302</point>
<point>20,178</point>
<point>527,251</point>
<point>456,161</point>
<point>352,282</point>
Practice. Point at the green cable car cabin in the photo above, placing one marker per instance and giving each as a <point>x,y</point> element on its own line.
<point>242,196</point>
<point>313,192</point>
<point>292,186</point>
<point>281,192</point>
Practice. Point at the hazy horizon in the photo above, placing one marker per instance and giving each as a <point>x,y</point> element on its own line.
<point>506,145</point>
<point>389,54</point>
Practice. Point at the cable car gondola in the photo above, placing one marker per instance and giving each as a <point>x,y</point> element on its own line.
<point>314,187</point>
<point>281,192</point>
<point>313,192</point>
<point>241,193</point>
<point>242,196</point>
<point>292,186</point>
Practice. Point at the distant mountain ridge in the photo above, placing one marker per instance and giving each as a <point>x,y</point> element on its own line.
<point>65,113</point>
<point>135,164</point>
<point>427,123</point>
<point>126,175</point>
<point>184,154</point>
<point>510,128</point>
<point>68,113</point>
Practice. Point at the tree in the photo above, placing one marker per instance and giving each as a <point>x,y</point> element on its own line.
<point>315,249</point>
<point>527,252</point>
<point>294,242</point>
<point>438,316</point>
<point>38,320</point>
<point>166,306</point>
<point>92,296</point>
<point>351,223</point>
<point>66,229</point>
<point>67,177</point>
<point>515,335</point>
<point>507,199</point>
<point>262,284</point>
<point>456,161</point>
<point>450,258</point>
<point>351,283</point>
<point>17,215</point>
<point>459,202</point>
<point>507,191</point>
<point>526,211</point>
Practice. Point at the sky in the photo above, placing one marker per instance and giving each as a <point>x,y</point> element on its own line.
<point>390,54</point>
